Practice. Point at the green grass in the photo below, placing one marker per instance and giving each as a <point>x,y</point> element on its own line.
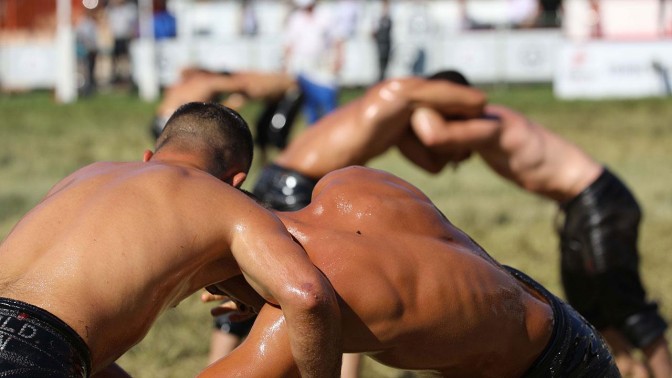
<point>40,142</point>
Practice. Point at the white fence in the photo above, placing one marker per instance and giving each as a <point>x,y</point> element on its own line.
<point>208,37</point>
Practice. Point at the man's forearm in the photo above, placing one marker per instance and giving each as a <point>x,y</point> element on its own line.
<point>315,338</point>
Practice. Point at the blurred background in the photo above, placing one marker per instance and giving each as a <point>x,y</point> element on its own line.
<point>585,48</point>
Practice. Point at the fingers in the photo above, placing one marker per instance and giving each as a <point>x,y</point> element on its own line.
<point>209,297</point>
<point>436,132</point>
<point>450,99</point>
<point>238,311</point>
<point>224,308</point>
<point>427,124</point>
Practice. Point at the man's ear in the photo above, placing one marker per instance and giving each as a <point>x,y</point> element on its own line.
<point>238,179</point>
<point>147,155</point>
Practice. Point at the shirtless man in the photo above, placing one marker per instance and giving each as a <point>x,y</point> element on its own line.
<point>282,102</point>
<point>561,172</point>
<point>278,91</point>
<point>598,239</point>
<point>112,246</point>
<point>416,293</point>
<point>360,131</point>
<point>363,129</point>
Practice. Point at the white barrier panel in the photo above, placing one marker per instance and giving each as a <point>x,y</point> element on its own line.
<point>484,56</point>
<point>531,55</point>
<point>613,70</point>
<point>28,65</point>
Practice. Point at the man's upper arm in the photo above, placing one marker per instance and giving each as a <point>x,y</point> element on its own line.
<point>279,269</point>
<point>267,255</point>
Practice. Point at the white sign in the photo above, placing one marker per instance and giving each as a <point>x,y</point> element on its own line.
<point>613,70</point>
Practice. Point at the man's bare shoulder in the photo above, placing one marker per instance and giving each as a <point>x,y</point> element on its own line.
<point>359,183</point>
<point>177,185</point>
<point>87,173</point>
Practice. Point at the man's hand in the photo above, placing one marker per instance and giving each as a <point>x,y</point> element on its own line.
<point>238,311</point>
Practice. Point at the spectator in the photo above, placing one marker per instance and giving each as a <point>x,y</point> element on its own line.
<point>383,37</point>
<point>122,17</point>
<point>596,19</point>
<point>420,30</point>
<point>249,26</point>
<point>86,33</point>
<point>548,15</point>
<point>313,52</point>
<point>165,25</point>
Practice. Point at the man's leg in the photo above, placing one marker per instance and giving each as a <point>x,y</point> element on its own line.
<point>310,105</point>
<point>221,344</point>
<point>658,357</point>
<point>226,336</point>
<point>623,354</point>
<point>327,100</point>
<point>350,365</point>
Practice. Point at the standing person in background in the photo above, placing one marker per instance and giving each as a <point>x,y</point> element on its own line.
<point>549,14</point>
<point>421,31</point>
<point>165,25</point>
<point>383,37</point>
<point>86,33</point>
<point>313,52</point>
<point>122,17</point>
<point>249,25</point>
<point>596,19</point>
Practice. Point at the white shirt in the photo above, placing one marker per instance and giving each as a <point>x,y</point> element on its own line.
<point>312,41</point>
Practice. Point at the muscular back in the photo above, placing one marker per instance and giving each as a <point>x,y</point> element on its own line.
<point>102,253</point>
<point>417,291</point>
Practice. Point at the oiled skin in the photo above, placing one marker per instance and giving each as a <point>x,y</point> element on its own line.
<point>368,126</point>
<point>114,245</point>
<point>415,291</point>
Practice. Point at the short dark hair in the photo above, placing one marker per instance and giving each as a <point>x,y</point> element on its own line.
<point>450,75</point>
<point>213,129</point>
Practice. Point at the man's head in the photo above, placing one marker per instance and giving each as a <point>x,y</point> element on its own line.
<point>304,4</point>
<point>450,75</point>
<point>216,133</point>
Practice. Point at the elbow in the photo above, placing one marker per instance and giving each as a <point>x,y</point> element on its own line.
<point>310,297</point>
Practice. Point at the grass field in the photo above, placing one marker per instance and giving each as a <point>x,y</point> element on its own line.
<point>40,142</point>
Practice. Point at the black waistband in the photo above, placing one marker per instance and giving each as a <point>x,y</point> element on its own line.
<point>605,188</point>
<point>26,329</point>
<point>301,180</point>
<point>575,348</point>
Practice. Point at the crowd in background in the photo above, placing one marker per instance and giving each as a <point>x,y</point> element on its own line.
<point>104,32</point>
<point>105,29</point>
